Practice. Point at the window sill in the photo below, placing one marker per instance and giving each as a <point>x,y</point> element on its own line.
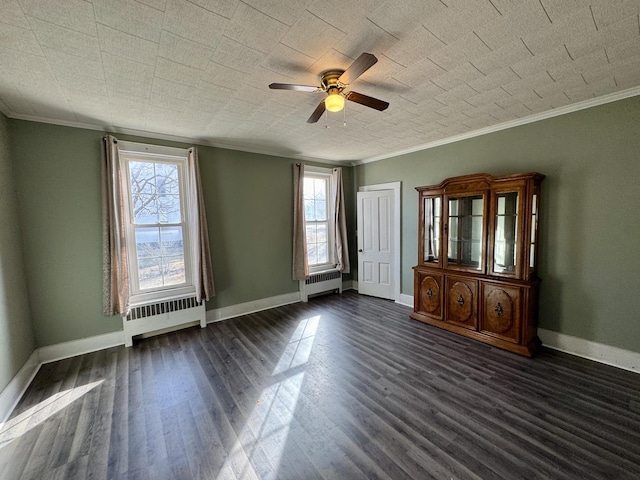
<point>161,296</point>
<point>323,269</point>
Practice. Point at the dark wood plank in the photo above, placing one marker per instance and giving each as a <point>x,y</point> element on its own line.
<point>345,386</point>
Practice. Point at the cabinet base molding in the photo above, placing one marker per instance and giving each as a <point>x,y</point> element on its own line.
<point>527,350</point>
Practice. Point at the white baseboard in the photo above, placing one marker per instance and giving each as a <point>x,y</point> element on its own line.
<point>349,285</point>
<point>406,300</point>
<point>599,352</point>
<point>224,313</point>
<point>59,351</point>
<point>11,395</point>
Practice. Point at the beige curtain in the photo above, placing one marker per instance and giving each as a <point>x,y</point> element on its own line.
<point>300,262</point>
<point>115,287</point>
<point>201,266</point>
<point>340,225</point>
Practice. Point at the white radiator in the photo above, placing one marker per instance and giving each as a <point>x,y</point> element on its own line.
<point>162,315</point>
<point>321,282</point>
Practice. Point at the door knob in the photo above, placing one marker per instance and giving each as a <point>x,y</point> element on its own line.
<point>360,250</point>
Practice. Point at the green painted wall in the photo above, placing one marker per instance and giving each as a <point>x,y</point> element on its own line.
<point>249,207</point>
<point>57,174</point>
<point>590,226</point>
<point>16,332</point>
<point>589,259</point>
<point>249,210</point>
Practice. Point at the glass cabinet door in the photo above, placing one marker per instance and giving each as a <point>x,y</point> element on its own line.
<point>432,214</point>
<point>465,232</point>
<point>505,252</point>
<point>534,234</point>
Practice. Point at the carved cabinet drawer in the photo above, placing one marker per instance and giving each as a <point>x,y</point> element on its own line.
<point>500,311</point>
<point>461,306</point>
<point>429,294</point>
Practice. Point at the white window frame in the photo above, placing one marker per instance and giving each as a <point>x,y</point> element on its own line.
<point>130,151</point>
<point>325,174</point>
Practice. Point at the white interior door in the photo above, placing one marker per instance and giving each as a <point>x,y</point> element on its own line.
<point>376,243</point>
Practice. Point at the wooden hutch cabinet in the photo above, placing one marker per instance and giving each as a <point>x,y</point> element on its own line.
<point>477,250</point>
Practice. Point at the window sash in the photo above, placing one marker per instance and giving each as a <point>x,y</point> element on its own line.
<point>313,242</point>
<point>141,295</point>
<point>324,174</point>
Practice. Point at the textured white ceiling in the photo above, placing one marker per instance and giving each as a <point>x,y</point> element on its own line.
<point>200,69</point>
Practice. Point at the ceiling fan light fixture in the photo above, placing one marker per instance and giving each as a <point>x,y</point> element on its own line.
<point>334,101</point>
<point>334,83</point>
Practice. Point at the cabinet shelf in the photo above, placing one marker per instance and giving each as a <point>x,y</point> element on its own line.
<point>477,259</point>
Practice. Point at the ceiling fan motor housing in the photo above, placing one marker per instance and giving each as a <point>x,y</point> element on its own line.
<point>330,80</point>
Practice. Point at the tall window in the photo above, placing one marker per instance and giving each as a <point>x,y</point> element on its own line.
<point>157,227</point>
<point>317,212</point>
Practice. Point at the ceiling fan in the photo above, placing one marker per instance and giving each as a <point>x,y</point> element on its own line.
<point>334,83</point>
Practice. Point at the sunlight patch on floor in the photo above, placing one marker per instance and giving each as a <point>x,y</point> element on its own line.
<point>298,349</point>
<point>34,416</point>
<point>268,425</point>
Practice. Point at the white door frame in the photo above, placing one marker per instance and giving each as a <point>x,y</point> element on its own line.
<point>395,186</point>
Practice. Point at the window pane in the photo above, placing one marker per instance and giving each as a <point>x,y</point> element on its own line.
<point>309,210</point>
<point>323,255</point>
<point>320,187</point>
<point>311,233</point>
<point>312,253</point>
<point>171,238</point>
<point>166,178</point>
<point>155,192</point>
<point>160,256</point>
<point>169,209</point>
<point>321,210</point>
<point>308,189</point>
<point>147,242</point>
<point>173,270</point>
<point>145,208</point>
<point>322,233</point>
<point>149,273</point>
<point>141,176</point>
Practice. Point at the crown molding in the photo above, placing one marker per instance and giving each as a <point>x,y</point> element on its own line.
<point>175,138</point>
<point>4,109</point>
<point>556,112</point>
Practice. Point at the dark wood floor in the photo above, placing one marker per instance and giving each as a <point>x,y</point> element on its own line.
<point>344,387</point>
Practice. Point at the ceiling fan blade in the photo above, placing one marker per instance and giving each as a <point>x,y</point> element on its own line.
<point>317,113</point>
<point>363,63</point>
<point>289,86</point>
<point>367,101</point>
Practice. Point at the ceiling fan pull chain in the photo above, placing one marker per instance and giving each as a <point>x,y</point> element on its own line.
<point>326,119</point>
<point>344,120</point>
